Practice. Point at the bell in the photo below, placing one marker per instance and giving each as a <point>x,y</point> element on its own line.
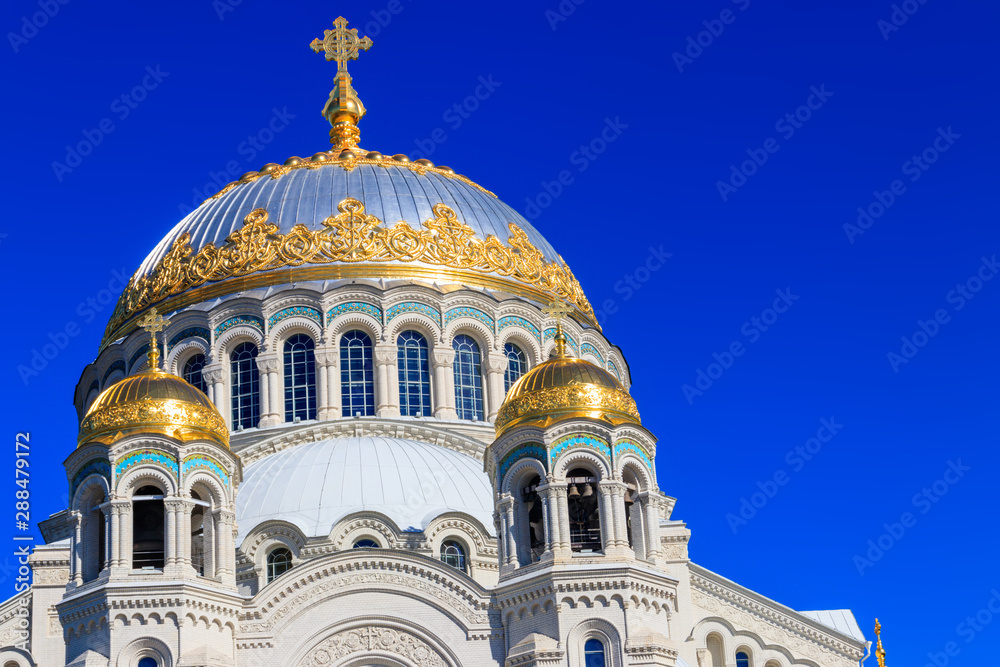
<point>588,490</point>
<point>628,496</point>
<point>574,492</point>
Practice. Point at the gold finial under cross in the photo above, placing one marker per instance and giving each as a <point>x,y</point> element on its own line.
<point>558,309</point>
<point>341,44</point>
<point>879,651</point>
<point>153,323</point>
<point>344,108</point>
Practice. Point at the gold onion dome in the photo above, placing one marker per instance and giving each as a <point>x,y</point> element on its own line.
<point>153,402</point>
<point>562,388</point>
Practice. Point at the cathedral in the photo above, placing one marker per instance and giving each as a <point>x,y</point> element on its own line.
<point>354,410</point>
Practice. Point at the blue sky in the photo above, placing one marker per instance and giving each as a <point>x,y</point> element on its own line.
<point>699,165</point>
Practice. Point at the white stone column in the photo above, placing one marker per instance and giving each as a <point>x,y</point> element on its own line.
<point>506,508</point>
<point>388,379</point>
<point>496,365</point>
<point>215,377</point>
<point>608,538</point>
<point>334,389</point>
<point>170,533</point>
<point>271,405</point>
<point>76,548</point>
<point>651,507</point>
<point>326,388</point>
<point>550,511</point>
<point>565,544</point>
<point>444,384</point>
<point>108,515</point>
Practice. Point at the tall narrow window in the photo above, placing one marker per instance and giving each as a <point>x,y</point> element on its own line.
<point>279,561</point>
<point>584,514</point>
<point>468,379</point>
<point>192,372</point>
<point>742,659</point>
<point>453,554</point>
<point>246,386</point>
<point>593,653</point>
<point>414,375</point>
<point>147,529</point>
<point>300,378</point>
<point>357,378</point>
<point>517,365</point>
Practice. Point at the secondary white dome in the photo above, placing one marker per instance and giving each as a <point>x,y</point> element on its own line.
<point>315,485</point>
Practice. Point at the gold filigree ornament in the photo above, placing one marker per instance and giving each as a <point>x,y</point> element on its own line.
<point>153,402</point>
<point>351,244</point>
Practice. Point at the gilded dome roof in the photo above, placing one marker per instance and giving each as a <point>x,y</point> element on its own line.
<point>565,387</point>
<point>347,215</point>
<point>153,402</point>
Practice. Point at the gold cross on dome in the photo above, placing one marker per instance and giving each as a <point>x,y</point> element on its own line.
<point>153,323</point>
<point>341,44</point>
<point>559,309</point>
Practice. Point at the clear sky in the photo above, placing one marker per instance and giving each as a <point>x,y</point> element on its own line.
<point>716,155</point>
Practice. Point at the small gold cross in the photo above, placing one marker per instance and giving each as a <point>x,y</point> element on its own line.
<point>559,309</point>
<point>341,44</point>
<point>153,323</point>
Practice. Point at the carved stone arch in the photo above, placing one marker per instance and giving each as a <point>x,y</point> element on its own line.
<point>579,427</point>
<point>638,467</point>
<point>208,480</point>
<point>285,329</point>
<point>523,470</point>
<point>264,537</point>
<point>400,644</point>
<point>595,628</point>
<point>365,524</point>
<point>142,474</point>
<point>340,325</point>
<point>525,340</point>
<point>146,647</point>
<point>574,458</point>
<point>87,487</point>
<point>183,351</point>
<point>467,528</point>
<point>417,321</point>
<point>17,656</point>
<point>241,333</point>
<point>475,329</point>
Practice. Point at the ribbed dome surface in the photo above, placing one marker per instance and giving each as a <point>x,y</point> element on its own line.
<point>314,485</point>
<point>561,373</point>
<point>153,402</point>
<point>391,193</point>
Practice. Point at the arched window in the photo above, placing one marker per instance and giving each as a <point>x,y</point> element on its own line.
<point>414,375</point>
<point>584,514</point>
<point>192,372</point>
<point>246,386</point>
<point>93,533</point>
<point>300,378</point>
<point>635,513</point>
<point>366,544</point>
<point>742,659</point>
<point>468,379</point>
<point>593,653</point>
<point>147,529</point>
<point>517,365</point>
<point>453,554</point>
<point>201,532</point>
<point>279,561</point>
<point>357,379</point>
<point>530,519</point>
<point>148,662</point>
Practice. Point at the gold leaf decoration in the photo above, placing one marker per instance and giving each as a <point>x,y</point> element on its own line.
<point>351,236</point>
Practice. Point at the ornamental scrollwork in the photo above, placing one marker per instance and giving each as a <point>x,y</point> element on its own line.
<point>373,638</point>
<point>351,236</point>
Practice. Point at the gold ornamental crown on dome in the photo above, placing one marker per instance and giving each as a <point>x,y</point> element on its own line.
<point>565,387</point>
<point>153,401</point>
<point>351,243</point>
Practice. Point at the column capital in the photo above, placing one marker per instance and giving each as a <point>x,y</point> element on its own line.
<point>443,358</point>
<point>327,356</point>
<point>268,363</point>
<point>214,373</point>
<point>385,354</point>
<point>506,502</point>
<point>496,363</point>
